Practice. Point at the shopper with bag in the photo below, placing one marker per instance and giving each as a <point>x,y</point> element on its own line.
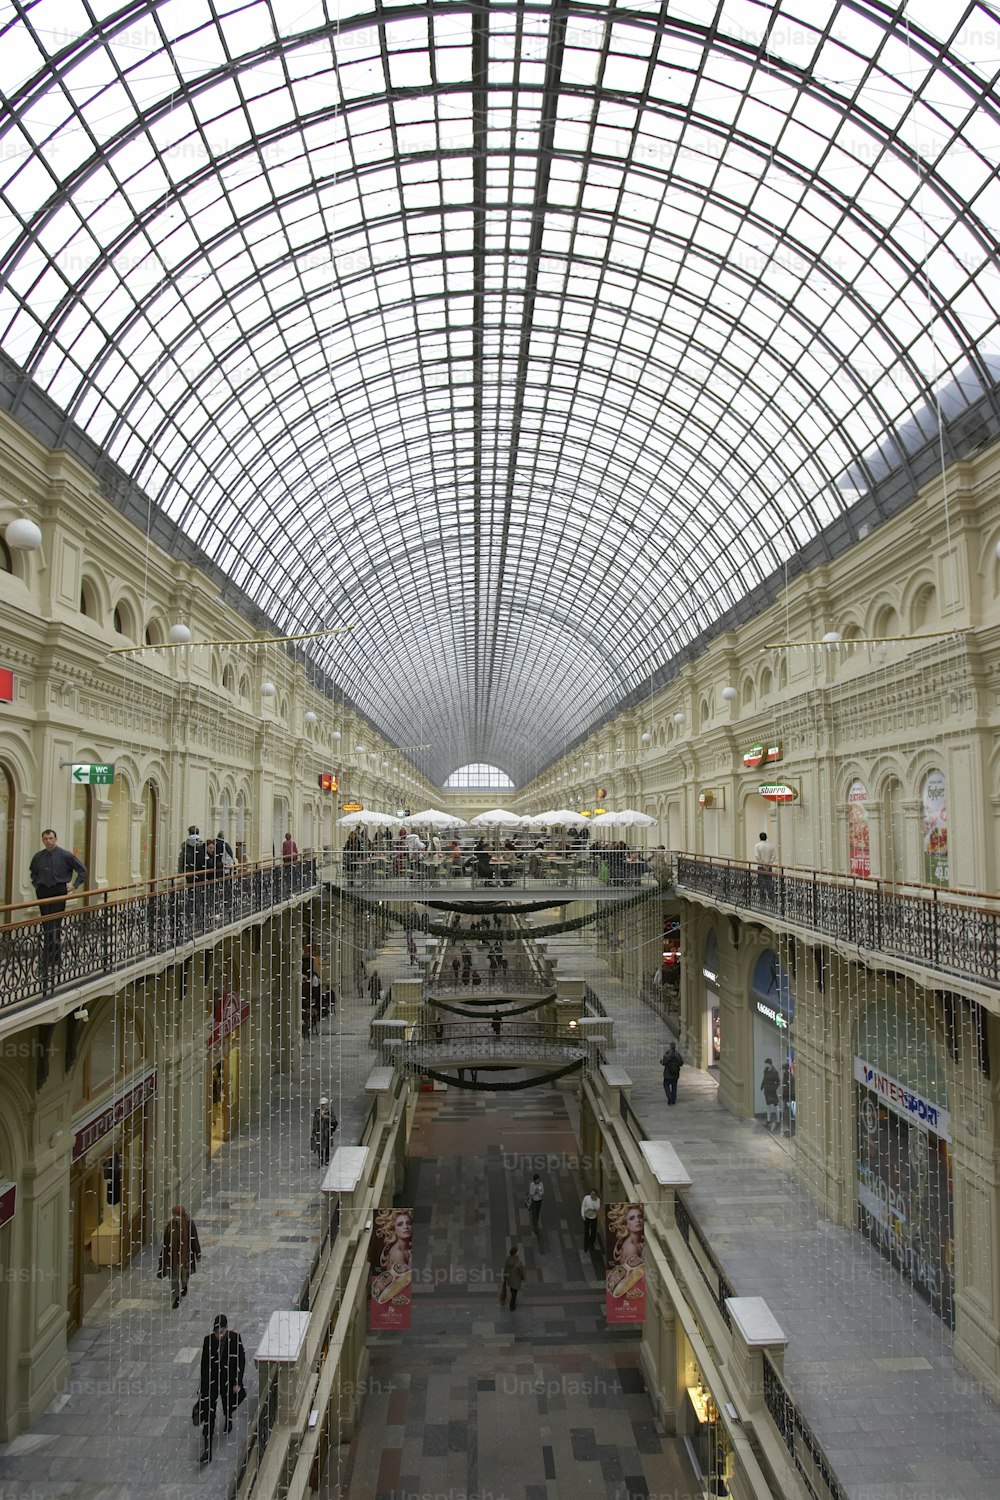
<point>513,1277</point>
<point>536,1192</point>
<point>223,1361</point>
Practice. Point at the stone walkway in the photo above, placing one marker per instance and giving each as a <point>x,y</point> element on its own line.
<point>868,1362</point>
<point>544,1402</point>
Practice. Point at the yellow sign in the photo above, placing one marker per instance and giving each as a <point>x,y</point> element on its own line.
<point>349,807</point>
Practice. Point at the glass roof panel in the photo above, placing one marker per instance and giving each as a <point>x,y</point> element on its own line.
<point>520,306</point>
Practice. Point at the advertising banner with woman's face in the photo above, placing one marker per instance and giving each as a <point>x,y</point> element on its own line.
<point>858,840</point>
<point>625,1278</point>
<point>935,829</point>
<point>390,1256</point>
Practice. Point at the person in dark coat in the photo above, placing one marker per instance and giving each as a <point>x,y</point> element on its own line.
<point>671,1063</point>
<point>180,1252</point>
<point>324,1124</point>
<point>223,1361</point>
<point>52,871</point>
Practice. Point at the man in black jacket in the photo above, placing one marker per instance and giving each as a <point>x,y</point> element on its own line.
<point>671,1062</point>
<point>51,871</point>
<point>223,1361</point>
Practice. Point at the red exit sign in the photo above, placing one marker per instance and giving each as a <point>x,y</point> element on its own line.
<point>6,686</point>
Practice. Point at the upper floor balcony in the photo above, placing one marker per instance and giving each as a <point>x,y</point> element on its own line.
<point>945,936</point>
<point>47,952</point>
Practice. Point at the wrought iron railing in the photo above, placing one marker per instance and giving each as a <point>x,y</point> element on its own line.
<point>798,1437</point>
<point>105,932</point>
<point>439,872</point>
<point>714,1276</point>
<point>955,932</point>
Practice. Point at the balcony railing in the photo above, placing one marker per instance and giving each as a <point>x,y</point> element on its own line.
<point>956,932</point>
<point>381,873</point>
<point>104,932</point>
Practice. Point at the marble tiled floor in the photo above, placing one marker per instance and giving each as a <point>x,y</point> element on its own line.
<point>542,1403</point>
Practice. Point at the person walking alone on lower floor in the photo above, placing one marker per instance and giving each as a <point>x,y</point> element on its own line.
<point>513,1275</point>
<point>180,1252</point>
<point>671,1063</point>
<point>223,1361</point>
<point>589,1210</point>
<point>536,1192</point>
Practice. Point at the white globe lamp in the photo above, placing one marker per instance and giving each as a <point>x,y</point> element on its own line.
<point>268,690</point>
<point>309,717</point>
<point>23,535</point>
<point>179,635</point>
<point>730,694</point>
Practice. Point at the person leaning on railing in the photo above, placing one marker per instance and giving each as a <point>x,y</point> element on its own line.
<point>51,872</point>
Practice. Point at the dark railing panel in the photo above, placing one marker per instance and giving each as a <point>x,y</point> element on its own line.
<point>42,955</point>
<point>798,1437</point>
<point>954,932</point>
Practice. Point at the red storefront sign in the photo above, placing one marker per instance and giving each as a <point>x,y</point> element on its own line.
<point>8,1202</point>
<point>6,685</point>
<point>101,1124</point>
<point>230,1011</point>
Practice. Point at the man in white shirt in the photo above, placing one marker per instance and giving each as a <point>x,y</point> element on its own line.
<point>536,1192</point>
<point>765,854</point>
<point>414,846</point>
<point>589,1209</point>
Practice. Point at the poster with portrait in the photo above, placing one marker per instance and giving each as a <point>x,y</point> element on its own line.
<point>625,1277</point>
<point>858,841</point>
<point>935,829</point>
<point>390,1256</point>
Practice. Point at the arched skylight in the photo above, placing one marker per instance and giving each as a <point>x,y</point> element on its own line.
<point>531,339</point>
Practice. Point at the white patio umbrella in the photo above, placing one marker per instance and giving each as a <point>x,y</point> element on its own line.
<point>367,819</point>
<point>497,817</point>
<point>559,817</point>
<point>434,818</point>
<point>629,817</point>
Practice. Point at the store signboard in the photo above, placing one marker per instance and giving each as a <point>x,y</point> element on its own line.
<point>761,755</point>
<point>352,807</point>
<point>230,1012</point>
<point>6,685</point>
<point>772,1014</point>
<point>904,1101</point>
<point>8,1202</point>
<point>104,1121</point>
<point>777,791</point>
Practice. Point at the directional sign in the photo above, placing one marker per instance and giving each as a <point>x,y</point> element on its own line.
<point>93,775</point>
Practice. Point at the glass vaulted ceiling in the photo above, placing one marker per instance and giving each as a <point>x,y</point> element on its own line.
<point>530,337</point>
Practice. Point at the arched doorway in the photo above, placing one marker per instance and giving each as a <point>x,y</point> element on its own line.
<point>7,811</point>
<point>119,863</point>
<point>893,824</point>
<point>757,819</point>
<point>147,833</point>
<point>82,828</point>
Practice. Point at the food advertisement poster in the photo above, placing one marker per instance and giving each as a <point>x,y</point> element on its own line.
<point>935,829</point>
<point>390,1256</point>
<point>858,844</point>
<point>625,1278</point>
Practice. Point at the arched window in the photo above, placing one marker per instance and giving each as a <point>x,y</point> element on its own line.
<point>480,776</point>
<point>88,600</point>
<point>6,561</point>
<point>229,678</point>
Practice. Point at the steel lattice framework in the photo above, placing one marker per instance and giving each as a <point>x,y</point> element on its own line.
<point>535,337</point>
